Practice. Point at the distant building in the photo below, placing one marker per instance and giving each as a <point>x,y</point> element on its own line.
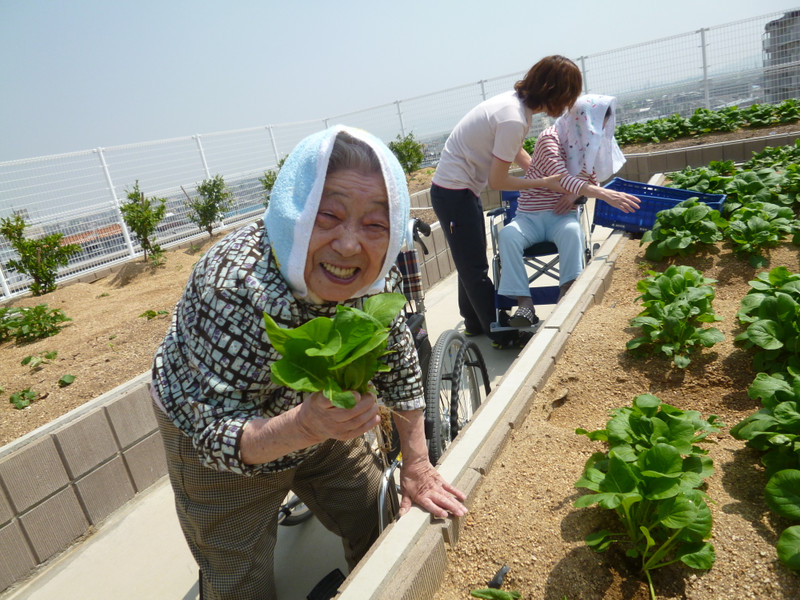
<point>782,58</point>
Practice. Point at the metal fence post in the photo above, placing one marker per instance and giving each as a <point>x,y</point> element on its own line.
<point>202,155</point>
<point>583,74</point>
<point>400,118</point>
<point>483,88</point>
<point>702,33</point>
<point>125,233</point>
<point>4,283</point>
<point>274,145</point>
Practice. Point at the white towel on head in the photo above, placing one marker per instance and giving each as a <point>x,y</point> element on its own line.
<point>295,197</point>
<point>589,145</point>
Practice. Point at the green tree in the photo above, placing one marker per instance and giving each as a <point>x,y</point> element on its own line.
<point>142,216</point>
<point>208,208</point>
<point>38,258</point>
<point>268,181</point>
<point>408,151</point>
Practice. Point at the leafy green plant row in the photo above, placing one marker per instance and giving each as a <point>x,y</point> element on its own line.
<point>705,121</point>
<point>28,324</point>
<point>650,476</point>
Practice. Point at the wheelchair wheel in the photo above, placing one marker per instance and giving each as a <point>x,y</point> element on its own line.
<point>293,511</point>
<point>453,390</point>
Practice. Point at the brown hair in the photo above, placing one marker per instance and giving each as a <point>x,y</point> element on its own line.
<point>552,84</point>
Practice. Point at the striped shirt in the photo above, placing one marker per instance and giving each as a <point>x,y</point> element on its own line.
<point>549,158</point>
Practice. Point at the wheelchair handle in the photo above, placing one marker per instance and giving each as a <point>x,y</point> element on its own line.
<point>417,227</point>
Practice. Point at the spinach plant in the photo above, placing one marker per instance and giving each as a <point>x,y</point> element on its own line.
<point>335,356</point>
<point>771,310</point>
<point>679,230</point>
<point>760,225</point>
<point>23,398</point>
<point>783,496</point>
<point>676,304</point>
<point>649,477</point>
<point>775,428</point>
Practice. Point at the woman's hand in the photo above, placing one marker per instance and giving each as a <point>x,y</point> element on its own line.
<point>565,204</point>
<point>421,484</point>
<point>319,420</point>
<point>312,422</point>
<point>625,202</point>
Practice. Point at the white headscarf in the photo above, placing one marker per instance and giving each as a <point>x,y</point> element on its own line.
<point>590,146</point>
<point>294,201</point>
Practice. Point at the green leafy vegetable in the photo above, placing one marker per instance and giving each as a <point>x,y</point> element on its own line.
<point>335,356</point>
<point>23,399</point>
<point>676,304</point>
<point>493,594</point>
<point>678,230</point>
<point>649,476</point>
<point>66,380</point>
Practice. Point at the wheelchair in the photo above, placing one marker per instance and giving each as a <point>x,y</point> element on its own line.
<point>541,260</point>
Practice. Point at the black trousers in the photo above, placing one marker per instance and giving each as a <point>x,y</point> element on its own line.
<point>460,214</point>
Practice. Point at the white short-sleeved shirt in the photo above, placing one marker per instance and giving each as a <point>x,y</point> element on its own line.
<point>494,128</point>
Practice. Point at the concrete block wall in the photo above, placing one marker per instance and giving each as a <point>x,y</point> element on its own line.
<point>60,482</point>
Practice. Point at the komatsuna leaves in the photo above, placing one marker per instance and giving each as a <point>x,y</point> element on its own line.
<point>335,356</point>
<point>789,547</point>
<point>783,493</point>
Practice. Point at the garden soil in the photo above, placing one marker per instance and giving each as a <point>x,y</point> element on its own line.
<point>523,514</point>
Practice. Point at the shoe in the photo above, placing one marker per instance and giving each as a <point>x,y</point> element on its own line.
<point>524,317</point>
<point>470,333</point>
<point>515,341</point>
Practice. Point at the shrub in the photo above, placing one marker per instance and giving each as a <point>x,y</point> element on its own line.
<point>142,216</point>
<point>38,258</point>
<point>214,200</point>
<point>408,151</point>
<point>268,181</point>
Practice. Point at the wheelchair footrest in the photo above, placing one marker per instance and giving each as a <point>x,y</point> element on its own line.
<point>547,294</point>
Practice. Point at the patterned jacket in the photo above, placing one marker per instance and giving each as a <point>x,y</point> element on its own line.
<point>211,372</point>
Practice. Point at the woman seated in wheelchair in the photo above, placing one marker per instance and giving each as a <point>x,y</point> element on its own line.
<point>581,147</point>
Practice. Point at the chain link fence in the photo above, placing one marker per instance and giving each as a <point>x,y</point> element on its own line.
<point>79,194</point>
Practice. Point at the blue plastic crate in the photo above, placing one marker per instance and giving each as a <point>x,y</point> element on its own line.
<point>654,198</point>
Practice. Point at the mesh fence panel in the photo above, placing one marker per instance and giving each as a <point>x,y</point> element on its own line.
<point>79,194</point>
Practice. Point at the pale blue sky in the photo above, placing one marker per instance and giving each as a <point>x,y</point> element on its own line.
<point>78,74</point>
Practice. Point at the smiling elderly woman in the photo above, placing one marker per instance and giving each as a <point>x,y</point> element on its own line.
<point>236,442</point>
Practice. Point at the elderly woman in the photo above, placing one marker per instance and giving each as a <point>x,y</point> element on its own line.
<point>236,442</point>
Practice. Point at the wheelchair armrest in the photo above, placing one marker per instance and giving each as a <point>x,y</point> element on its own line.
<point>496,211</point>
<point>581,200</point>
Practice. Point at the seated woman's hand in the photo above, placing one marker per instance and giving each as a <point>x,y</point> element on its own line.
<point>320,420</point>
<point>565,204</point>
<point>421,484</point>
<point>624,202</point>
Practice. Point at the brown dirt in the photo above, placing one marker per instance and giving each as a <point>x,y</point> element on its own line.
<point>523,515</point>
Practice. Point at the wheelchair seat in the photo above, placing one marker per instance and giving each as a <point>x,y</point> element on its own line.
<point>540,258</point>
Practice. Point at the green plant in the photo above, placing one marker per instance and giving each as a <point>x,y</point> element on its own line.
<point>142,216</point>
<point>66,380</point>
<point>408,151</point>
<point>23,399</point>
<point>758,225</point>
<point>494,594</point>
<point>649,476</point>
<point>678,230</point>
<point>268,181</point>
<point>783,496</point>
<point>676,304</point>
<point>28,324</point>
<point>152,314</point>
<point>35,362</point>
<point>208,208</point>
<point>775,428</point>
<point>334,356</point>
<point>39,258</point>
